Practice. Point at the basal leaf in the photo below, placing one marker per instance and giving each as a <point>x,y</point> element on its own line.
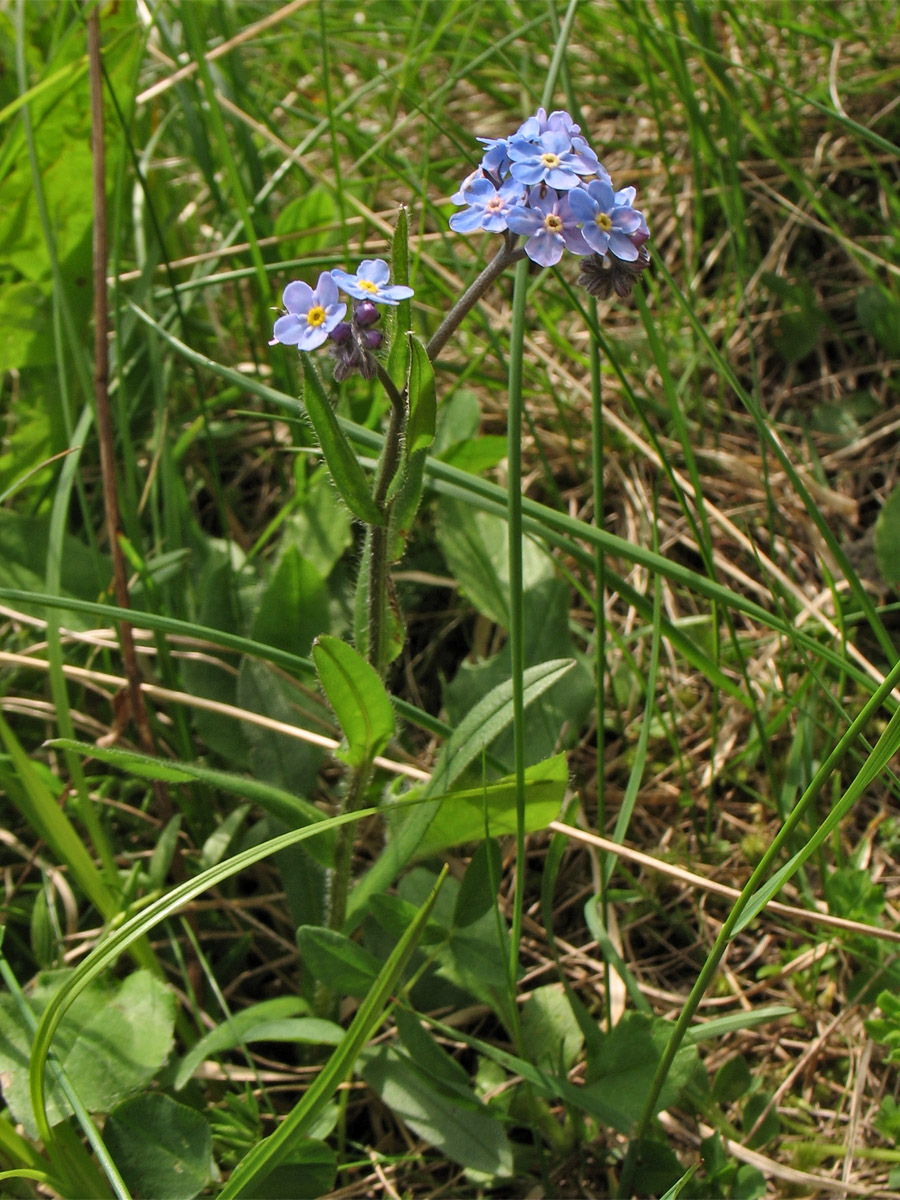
<point>162,1148</point>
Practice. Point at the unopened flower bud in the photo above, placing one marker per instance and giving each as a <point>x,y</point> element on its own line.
<point>365,313</point>
<point>371,338</point>
<point>342,333</point>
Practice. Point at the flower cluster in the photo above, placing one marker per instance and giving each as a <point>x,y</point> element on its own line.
<point>546,183</point>
<point>315,315</point>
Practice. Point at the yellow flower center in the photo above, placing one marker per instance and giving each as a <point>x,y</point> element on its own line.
<point>316,316</point>
<point>550,160</point>
<point>553,223</point>
<point>368,286</point>
<point>603,222</point>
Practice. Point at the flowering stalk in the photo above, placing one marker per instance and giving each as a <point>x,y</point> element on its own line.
<point>505,257</point>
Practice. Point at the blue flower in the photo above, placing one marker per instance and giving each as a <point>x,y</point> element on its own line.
<point>550,159</point>
<point>310,316</point>
<point>496,156</point>
<point>488,206</point>
<point>371,283</point>
<point>608,220</point>
<point>551,225</point>
<point>459,197</point>
<point>534,126</point>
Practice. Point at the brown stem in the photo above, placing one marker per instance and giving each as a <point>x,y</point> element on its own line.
<point>101,384</point>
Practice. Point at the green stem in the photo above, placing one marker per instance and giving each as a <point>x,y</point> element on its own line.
<point>380,535</point>
<point>597,440</point>
<point>516,593</point>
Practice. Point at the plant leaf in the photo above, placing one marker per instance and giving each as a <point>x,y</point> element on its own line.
<point>422,400</point>
<point>349,477</point>
<point>256,1166</point>
<point>467,1133</point>
<point>162,1148</point>
<point>358,698</point>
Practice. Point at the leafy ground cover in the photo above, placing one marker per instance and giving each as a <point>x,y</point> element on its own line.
<point>614,807</point>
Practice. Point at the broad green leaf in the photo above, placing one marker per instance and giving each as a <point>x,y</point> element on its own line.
<point>406,503</point>
<point>270,1020</point>
<point>293,607</point>
<point>357,695</point>
<point>349,477</point>
<point>475,545</point>
<point>480,884</point>
<point>422,400</point>
<point>461,815</point>
<point>618,1078</point>
<point>223,605</point>
<point>318,528</point>
<point>24,545</point>
<point>550,1027</point>
<point>472,736</point>
<point>488,718</point>
<point>110,1043</point>
<point>467,1134</point>
<point>288,763</point>
<point>473,957</point>
<point>162,1148</point>
<point>249,1176</point>
<point>432,1058</point>
<point>163,851</point>
<point>293,810</point>
<point>336,962</point>
<point>314,210</point>
<point>311,1170</point>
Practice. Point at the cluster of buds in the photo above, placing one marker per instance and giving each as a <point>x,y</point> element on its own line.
<point>315,315</point>
<point>352,342</point>
<point>546,182</point>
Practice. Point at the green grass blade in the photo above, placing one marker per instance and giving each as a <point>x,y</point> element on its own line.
<point>264,1157</point>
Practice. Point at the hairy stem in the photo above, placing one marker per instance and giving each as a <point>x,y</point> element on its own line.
<point>505,257</point>
<point>380,535</point>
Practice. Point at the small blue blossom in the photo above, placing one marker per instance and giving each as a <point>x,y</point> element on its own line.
<point>496,158</point>
<point>607,224</point>
<point>459,197</point>
<point>488,206</point>
<point>550,224</point>
<point>534,126</point>
<point>371,283</point>
<point>310,316</point>
<point>550,160</point>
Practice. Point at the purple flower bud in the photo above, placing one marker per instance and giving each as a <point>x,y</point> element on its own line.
<point>365,313</point>
<point>372,338</point>
<point>342,333</point>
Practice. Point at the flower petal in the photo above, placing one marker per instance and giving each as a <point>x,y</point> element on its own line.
<point>297,297</point>
<point>374,270</point>
<point>288,330</point>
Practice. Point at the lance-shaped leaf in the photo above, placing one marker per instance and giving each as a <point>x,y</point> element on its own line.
<point>357,696</point>
<point>422,402</point>
<point>398,359</point>
<point>349,477</point>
